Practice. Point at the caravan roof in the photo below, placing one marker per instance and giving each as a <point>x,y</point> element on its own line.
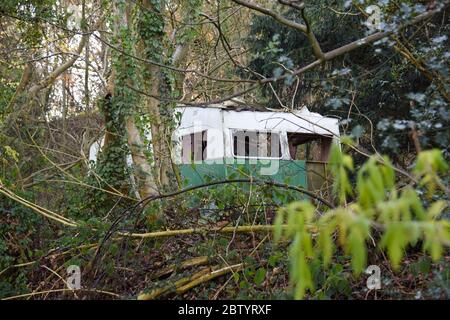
<point>299,121</point>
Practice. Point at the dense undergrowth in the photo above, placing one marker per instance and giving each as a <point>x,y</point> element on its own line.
<point>233,240</point>
<point>36,250</point>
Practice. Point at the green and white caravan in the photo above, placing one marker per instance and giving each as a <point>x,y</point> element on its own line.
<point>229,141</point>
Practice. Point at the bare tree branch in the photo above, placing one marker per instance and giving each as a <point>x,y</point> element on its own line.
<point>278,17</point>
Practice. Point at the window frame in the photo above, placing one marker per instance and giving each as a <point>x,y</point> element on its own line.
<point>278,133</point>
<point>192,149</point>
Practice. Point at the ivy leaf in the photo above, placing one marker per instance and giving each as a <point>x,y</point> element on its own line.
<point>260,275</point>
<point>357,131</point>
<point>277,72</point>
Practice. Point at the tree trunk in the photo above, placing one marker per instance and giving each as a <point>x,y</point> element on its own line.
<point>143,171</point>
<point>152,34</point>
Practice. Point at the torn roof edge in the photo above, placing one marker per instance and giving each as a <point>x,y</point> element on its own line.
<point>236,104</point>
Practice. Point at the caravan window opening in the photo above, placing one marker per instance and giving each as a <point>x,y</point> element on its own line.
<point>254,144</point>
<point>194,147</point>
<point>309,147</point>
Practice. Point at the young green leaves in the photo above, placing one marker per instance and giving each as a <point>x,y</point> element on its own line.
<point>397,214</point>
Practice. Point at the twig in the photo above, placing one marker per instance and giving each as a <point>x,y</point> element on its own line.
<point>60,290</point>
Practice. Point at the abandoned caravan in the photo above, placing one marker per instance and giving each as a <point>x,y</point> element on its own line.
<point>229,141</point>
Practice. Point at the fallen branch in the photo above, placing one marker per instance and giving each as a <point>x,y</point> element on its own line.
<point>45,212</point>
<point>187,283</point>
<point>159,291</point>
<point>210,276</point>
<point>170,233</point>
<point>185,264</point>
